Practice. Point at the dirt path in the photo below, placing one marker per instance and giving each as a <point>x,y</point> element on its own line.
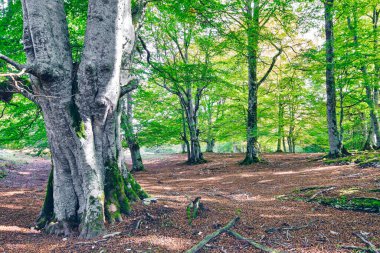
<point>226,190</point>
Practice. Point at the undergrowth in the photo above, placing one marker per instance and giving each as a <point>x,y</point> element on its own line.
<point>363,159</point>
<point>343,200</point>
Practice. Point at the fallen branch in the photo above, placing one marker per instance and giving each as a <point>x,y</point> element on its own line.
<point>211,236</point>
<point>253,243</point>
<point>320,192</point>
<point>351,247</point>
<point>369,244</point>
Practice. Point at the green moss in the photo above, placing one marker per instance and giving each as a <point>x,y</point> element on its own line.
<point>77,124</point>
<point>363,159</point>
<point>344,201</point>
<point>370,205</point>
<point>134,189</point>
<point>47,211</point>
<point>120,192</point>
<point>116,200</point>
<point>96,223</point>
<point>3,174</point>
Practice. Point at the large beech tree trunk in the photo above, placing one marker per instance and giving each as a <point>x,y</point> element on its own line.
<point>335,142</point>
<point>89,183</point>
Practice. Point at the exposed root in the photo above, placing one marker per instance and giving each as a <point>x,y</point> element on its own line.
<point>61,228</point>
<point>250,160</point>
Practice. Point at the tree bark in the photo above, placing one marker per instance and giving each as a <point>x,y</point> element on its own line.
<point>334,141</point>
<point>80,103</point>
<point>252,154</point>
<point>280,126</point>
<point>375,20</point>
<point>374,125</point>
<point>196,155</point>
<point>133,144</point>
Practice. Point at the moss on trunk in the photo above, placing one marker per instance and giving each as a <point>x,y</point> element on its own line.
<point>47,211</point>
<point>119,193</point>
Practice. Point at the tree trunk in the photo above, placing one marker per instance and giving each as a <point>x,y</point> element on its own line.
<point>252,154</point>
<point>184,133</point>
<point>89,182</point>
<point>374,126</point>
<point>334,140</point>
<point>210,145</point>
<point>375,20</point>
<point>133,144</point>
<point>280,126</point>
<point>196,155</point>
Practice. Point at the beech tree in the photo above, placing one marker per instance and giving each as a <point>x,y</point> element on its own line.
<point>335,141</point>
<point>130,135</point>
<point>89,183</point>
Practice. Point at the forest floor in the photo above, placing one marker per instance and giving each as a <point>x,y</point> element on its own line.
<point>226,188</point>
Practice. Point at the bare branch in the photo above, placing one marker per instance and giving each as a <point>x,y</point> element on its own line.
<point>15,64</point>
<point>132,84</point>
<point>274,59</point>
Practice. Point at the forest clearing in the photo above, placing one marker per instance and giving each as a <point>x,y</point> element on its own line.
<point>190,126</point>
<point>226,190</point>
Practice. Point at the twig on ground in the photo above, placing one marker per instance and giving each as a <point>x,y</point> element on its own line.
<point>111,235</point>
<point>287,228</point>
<point>352,247</point>
<point>369,244</point>
<point>92,242</point>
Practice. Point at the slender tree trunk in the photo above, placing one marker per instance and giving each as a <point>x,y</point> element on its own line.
<point>210,141</point>
<point>280,126</point>
<point>184,133</point>
<point>133,144</point>
<point>89,182</point>
<point>334,140</point>
<point>252,154</point>
<point>374,125</point>
<point>196,155</point>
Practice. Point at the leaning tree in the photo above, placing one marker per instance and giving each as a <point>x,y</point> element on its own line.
<point>89,183</point>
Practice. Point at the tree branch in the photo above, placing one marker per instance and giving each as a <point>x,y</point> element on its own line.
<point>15,64</point>
<point>132,84</point>
<point>274,59</point>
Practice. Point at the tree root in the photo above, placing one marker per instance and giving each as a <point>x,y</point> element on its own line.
<point>227,229</point>
<point>249,160</point>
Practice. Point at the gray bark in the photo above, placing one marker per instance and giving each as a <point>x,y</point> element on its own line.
<point>374,126</point>
<point>81,112</point>
<point>252,154</point>
<point>252,17</point>
<point>334,140</point>
<point>130,135</point>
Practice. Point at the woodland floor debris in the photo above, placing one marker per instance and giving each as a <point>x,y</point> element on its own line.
<point>247,191</point>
